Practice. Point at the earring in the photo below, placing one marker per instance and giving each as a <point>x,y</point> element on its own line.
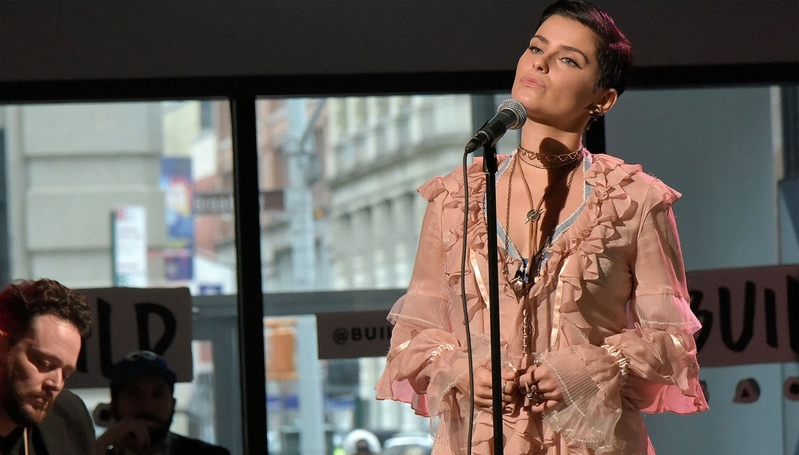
<point>595,112</point>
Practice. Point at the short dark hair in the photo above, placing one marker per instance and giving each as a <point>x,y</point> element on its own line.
<point>21,301</point>
<point>613,50</point>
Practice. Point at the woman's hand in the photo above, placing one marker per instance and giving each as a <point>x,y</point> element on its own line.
<point>483,391</point>
<point>541,386</point>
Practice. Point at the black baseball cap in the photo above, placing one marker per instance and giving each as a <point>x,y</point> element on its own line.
<point>140,364</point>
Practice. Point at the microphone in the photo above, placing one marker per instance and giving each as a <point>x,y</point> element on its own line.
<point>511,115</point>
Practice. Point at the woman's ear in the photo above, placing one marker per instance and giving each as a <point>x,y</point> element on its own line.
<point>607,101</point>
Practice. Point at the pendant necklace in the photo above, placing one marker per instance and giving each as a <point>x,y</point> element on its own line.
<point>529,271</point>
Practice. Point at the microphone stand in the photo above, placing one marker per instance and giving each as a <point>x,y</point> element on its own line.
<point>490,169</point>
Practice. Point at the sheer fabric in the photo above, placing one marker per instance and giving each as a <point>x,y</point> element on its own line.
<point>614,277</point>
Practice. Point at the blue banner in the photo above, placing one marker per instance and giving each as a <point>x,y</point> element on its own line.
<point>178,187</point>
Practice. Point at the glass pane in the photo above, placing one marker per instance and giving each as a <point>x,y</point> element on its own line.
<point>328,405</point>
<point>348,218</point>
<point>722,148</point>
<point>133,194</point>
<point>712,145</point>
<point>347,169</point>
<point>366,156</point>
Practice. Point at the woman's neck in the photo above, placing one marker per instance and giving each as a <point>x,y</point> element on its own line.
<point>547,140</point>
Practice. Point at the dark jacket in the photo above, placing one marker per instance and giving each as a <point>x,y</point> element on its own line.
<point>66,430</point>
<point>188,446</point>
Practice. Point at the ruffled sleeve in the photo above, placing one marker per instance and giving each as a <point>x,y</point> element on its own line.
<point>651,366</point>
<point>664,373</point>
<point>427,365</point>
<point>591,380</point>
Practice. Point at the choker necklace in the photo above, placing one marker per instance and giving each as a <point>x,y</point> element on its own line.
<point>529,270</point>
<point>549,161</point>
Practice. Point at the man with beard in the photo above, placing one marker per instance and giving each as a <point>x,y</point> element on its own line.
<point>142,405</point>
<point>42,327</point>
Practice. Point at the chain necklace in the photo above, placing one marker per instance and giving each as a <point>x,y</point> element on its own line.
<point>563,159</point>
<point>529,270</point>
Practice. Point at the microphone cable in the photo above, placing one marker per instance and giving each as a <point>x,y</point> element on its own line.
<point>468,327</point>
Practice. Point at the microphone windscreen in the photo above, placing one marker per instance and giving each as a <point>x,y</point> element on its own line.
<point>517,111</point>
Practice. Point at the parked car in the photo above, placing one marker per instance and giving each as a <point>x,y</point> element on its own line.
<point>360,441</point>
<point>408,444</point>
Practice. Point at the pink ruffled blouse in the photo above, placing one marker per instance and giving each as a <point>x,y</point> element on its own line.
<point>612,282</point>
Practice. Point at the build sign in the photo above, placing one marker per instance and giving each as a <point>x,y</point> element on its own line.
<point>130,319</point>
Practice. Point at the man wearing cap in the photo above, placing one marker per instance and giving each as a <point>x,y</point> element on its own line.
<point>42,327</point>
<point>142,405</point>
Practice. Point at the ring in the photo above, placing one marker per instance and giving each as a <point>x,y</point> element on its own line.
<point>504,383</point>
<point>537,362</point>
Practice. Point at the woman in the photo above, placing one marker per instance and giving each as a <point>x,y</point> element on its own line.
<point>594,310</point>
